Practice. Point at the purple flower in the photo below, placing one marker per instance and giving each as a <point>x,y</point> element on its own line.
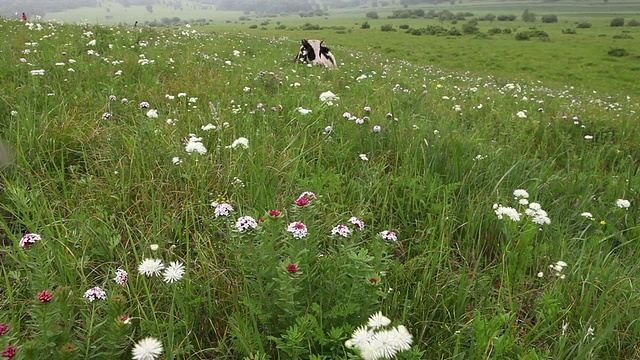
<point>144,105</point>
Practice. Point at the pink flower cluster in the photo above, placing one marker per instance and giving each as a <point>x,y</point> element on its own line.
<point>29,239</point>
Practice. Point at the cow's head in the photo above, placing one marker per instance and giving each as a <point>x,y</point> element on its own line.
<point>313,52</point>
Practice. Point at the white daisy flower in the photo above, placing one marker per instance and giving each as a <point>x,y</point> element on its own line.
<point>147,349</point>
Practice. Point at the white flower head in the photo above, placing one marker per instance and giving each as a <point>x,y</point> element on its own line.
<point>147,349</point>
<point>341,230</point>
<point>623,204</point>
<point>150,267</point>
<point>328,98</point>
<point>378,320</point>
<point>222,209</point>
<point>245,223</point>
<point>303,111</point>
<point>95,293</point>
<point>363,157</point>
<point>241,141</point>
<point>121,277</point>
<point>298,229</point>
<point>510,212</point>
<point>174,272</point>
<point>195,145</point>
<point>152,113</point>
<point>520,193</point>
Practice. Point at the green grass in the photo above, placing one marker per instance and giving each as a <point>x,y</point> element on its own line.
<point>102,189</point>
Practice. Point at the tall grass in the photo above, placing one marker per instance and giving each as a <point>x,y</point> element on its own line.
<point>107,185</point>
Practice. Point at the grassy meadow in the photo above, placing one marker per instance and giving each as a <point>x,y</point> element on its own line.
<point>176,193</point>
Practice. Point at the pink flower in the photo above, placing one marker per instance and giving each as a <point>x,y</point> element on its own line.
<point>4,328</point>
<point>95,293</point>
<point>308,195</point>
<point>298,229</point>
<point>292,268</point>
<point>29,239</point>
<point>389,235</point>
<point>341,230</point>
<point>144,105</point>
<point>357,222</point>
<point>9,352</point>
<point>45,296</point>
<point>275,213</point>
<point>121,277</point>
<point>246,223</point>
<point>222,209</point>
<point>367,108</point>
<point>302,201</point>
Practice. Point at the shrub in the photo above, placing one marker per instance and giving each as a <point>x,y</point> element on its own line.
<point>309,26</point>
<point>387,28</point>
<point>522,36</point>
<point>470,28</point>
<point>617,22</point>
<point>583,25</point>
<point>623,36</point>
<point>506,31</point>
<point>454,32</point>
<point>372,15</point>
<point>494,31</point>
<point>281,27</point>
<point>633,22</point>
<point>404,26</point>
<point>618,52</point>
<point>569,31</point>
<point>489,17</point>
<point>365,25</point>
<point>507,17</point>
<point>547,19</point>
<point>254,26</point>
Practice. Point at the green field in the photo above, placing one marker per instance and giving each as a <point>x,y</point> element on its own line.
<point>189,192</point>
<point>573,60</point>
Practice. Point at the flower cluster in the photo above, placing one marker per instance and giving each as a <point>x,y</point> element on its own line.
<point>245,223</point>
<point>389,236</point>
<point>121,277</point>
<point>374,342</point>
<point>95,293</point>
<point>557,268</point>
<point>222,209</point>
<point>29,239</point>
<point>534,210</point>
<point>45,296</point>
<point>298,229</point>
<point>195,144</point>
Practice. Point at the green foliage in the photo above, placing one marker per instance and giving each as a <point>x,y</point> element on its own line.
<point>403,26</point>
<point>569,31</point>
<point>371,15</point>
<point>510,17</point>
<point>254,26</point>
<point>622,36</point>
<point>309,26</point>
<point>470,28</point>
<point>616,22</point>
<point>618,52</point>
<point>583,25</point>
<point>365,25</point>
<point>387,27</point>
<point>633,22</point>
<point>548,19</point>
<point>528,16</point>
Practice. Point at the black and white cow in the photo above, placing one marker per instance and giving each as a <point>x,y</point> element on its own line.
<point>314,53</point>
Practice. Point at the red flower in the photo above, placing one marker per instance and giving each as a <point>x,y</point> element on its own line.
<point>45,296</point>
<point>9,352</point>
<point>4,328</point>
<point>302,201</point>
<point>373,280</point>
<point>292,268</point>
<point>274,213</point>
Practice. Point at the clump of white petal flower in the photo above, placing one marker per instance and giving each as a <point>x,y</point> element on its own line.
<point>374,341</point>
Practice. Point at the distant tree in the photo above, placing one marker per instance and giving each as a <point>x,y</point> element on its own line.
<point>633,22</point>
<point>528,16</point>
<point>489,17</point>
<point>372,15</point>
<point>150,8</point>
<point>617,22</point>
<point>547,19</point>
